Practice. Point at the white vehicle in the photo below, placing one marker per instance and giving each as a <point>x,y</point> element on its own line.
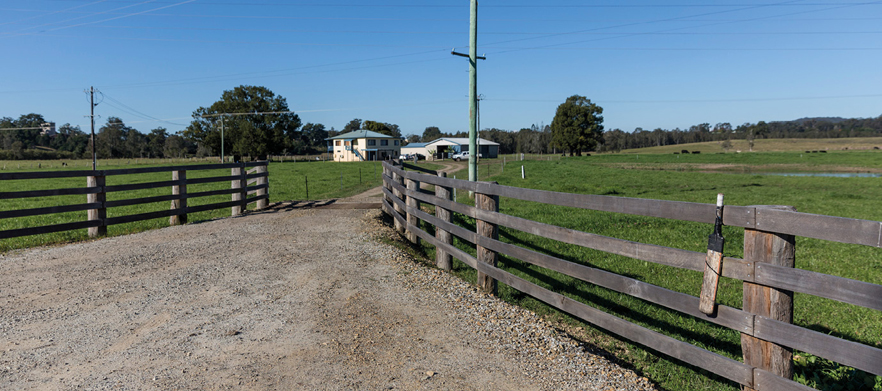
<point>464,155</point>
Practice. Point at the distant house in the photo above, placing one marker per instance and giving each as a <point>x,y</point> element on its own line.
<point>363,145</point>
<point>448,146</point>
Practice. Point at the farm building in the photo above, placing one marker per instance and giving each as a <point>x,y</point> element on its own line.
<point>362,145</point>
<point>449,146</point>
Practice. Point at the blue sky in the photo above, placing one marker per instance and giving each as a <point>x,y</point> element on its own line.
<point>649,64</point>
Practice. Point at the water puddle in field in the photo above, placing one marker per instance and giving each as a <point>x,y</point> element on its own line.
<point>826,174</point>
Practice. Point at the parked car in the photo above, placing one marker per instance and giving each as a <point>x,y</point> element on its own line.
<point>464,155</point>
<point>410,156</point>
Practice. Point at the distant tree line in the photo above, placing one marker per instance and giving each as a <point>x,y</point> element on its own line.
<point>617,139</point>
<point>18,140</point>
<point>255,122</point>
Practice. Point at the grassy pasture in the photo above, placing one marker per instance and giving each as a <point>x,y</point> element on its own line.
<point>655,178</point>
<point>771,145</point>
<point>287,182</point>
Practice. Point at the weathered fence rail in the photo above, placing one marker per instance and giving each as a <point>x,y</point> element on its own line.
<point>243,184</point>
<point>767,270</point>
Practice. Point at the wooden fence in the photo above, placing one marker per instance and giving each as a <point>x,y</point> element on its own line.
<point>96,191</point>
<point>767,270</point>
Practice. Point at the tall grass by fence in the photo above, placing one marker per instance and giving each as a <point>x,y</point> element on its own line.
<point>767,270</point>
<point>243,182</point>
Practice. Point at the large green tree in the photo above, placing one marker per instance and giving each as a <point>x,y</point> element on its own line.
<point>431,133</point>
<point>351,126</point>
<point>256,123</point>
<point>382,127</point>
<point>314,135</point>
<point>577,125</point>
<point>111,139</point>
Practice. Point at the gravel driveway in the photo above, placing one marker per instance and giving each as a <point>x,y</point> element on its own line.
<point>286,299</point>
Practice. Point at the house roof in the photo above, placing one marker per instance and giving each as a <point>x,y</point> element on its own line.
<point>361,133</point>
<point>415,145</point>
<point>462,141</point>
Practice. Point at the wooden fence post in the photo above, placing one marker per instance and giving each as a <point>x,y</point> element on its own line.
<point>399,180</point>
<point>243,189</point>
<point>442,259</point>
<point>99,214</point>
<point>262,204</point>
<point>413,203</point>
<point>485,255</point>
<point>776,249</point>
<point>237,184</point>
<point>181,190</point>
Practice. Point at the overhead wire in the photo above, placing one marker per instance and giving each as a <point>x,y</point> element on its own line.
<point>291,71</point>
<point>438,5</point>
<point>53,12</point>
<point>109,19</point>
<point>681,28</point>
<point>731,100</point>
<point>128,109</point>
<point>487,19</point>
<point>412,32</point>
<point>73,19</point>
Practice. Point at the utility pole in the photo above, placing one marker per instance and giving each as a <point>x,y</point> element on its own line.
<point>92,118</point>
<point>473,90</point>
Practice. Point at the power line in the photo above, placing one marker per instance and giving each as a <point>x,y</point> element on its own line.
<point>135,112</point>
<point>53,12</point>
<point>490,19</point>
<point>437,47</point>
<point>543,5</point>
<point>504,49</point>
<point>177,28</point>
<point>261,74</point>
<point>678,18</point>
<point>109,19</point>
<point>650,49</point>
<point>682,28</point>
<point>704,100</point>
<point>73,19</point>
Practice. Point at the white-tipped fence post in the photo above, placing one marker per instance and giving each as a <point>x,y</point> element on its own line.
<point>522,173</point>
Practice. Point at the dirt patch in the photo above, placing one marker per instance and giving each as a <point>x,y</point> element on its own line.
<point>285,299</point>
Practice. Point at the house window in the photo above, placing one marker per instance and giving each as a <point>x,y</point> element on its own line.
<point>338,143</point>
<point>396,143</point>
<point>384,142</point>
<point>347,143</point>
<point>372,142</point>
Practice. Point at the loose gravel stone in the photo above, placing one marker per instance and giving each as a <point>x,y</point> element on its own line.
<point>283,299</point>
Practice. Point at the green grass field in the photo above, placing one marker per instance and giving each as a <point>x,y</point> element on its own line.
<point>772,145</point>
<point>657,177</point>
<point>287,181</point>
